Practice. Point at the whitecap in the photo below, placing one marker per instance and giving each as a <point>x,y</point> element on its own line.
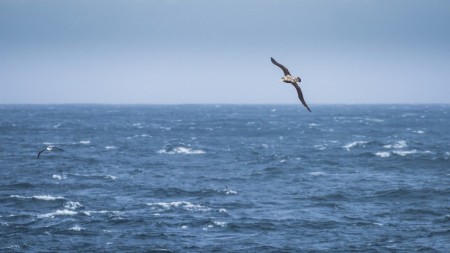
<point>179,204</point>
<point>404,152</point>
<point>383,154</point>
<point>229,191</point>
<point>110,147</point>
<point>110,177</point>
<point>311,125</point>
<point>220,223</point>
<point>57,213</point>
<point>354,144</point>
<point>38,197</point>
<point>85,142</point>
<point>320,147</point>
<point>398,144</point>
<point>419,132</point>
<point>72,205</point>
<point>184,227</point>
<point>47,197</point>
<point>223,210</point>
<point>59,176</point>
<point>181,150</point>
<point>76,228</point>
<point>17,197</point>
<point>89,213</point>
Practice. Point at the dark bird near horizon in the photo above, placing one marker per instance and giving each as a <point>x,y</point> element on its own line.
<point>49,148</point>
<point>288,78</point>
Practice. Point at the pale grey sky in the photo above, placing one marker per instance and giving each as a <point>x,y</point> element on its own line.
<point>201,51</point>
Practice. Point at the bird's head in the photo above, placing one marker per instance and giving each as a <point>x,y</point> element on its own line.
<point>297,79</point>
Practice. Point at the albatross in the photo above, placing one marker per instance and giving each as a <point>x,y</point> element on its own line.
<point>288,78</point>
<point>49,148</point>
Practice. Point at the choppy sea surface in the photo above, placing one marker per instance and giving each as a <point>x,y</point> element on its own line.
<point>225,178</point>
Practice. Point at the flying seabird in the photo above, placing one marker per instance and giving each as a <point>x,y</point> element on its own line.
<point>49,148</point>
<point>287,78</point>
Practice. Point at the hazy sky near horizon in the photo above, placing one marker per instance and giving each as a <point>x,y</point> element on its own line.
<point>201,51</point>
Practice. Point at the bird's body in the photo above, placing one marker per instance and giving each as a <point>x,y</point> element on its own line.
<point>288,78</point>
<point>49,148</point>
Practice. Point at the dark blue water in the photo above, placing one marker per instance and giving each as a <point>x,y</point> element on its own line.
<point>204,178</point>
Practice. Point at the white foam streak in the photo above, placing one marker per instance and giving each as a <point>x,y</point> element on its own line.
<point>404,152</point>
<point>72,205</point>
<point>397,145</point>
<point>85,142</point>
<point>354,144</point>
<point>182,150</point>
<point>47,197</point>
<point>64,212</point>
<point>39,197</point>
<point>59,177</point>
<point>220,223</point>
<point>383,154</point>
<point>179,204</point>
<point>76,228</point>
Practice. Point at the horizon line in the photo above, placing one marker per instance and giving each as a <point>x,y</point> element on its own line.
<point>243,104</point>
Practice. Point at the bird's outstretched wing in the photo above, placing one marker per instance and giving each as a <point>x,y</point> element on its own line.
<point>300,95</point>
<point>39,154</point>
<point>60,149</point>
<point>285,70</point>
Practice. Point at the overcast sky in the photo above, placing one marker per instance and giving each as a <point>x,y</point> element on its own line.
<point>203,51</point>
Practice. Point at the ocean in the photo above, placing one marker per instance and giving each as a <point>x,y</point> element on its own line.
<point>225,178</point>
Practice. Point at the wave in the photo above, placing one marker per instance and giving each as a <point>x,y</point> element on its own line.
<point>90,213</point>
<point>405,152</point>
<point>39,197</point>
<point>59,177</point>
<point>355,144</point>
<point>63,212</point>
<point>110,147</point>
<point>85,142</point>
<point>217,223</point>
<point>397,145</point>
<point>72,205</point>
<point>320,147</point>
<point>383,154</point>
<point>181,150</point>
<point>186,205</point>
<point>76,228</point>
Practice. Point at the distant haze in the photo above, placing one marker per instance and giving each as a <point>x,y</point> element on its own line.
<point>193,51</point>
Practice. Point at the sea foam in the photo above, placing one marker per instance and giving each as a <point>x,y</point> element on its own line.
<point>178,204</point>
<point>354,144</point>
<point>397,145</point>
<point>404,152</point>
<point>63,212</point>
<point>181,150</point>
<point>383,154</point>
<point>38,197</point>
